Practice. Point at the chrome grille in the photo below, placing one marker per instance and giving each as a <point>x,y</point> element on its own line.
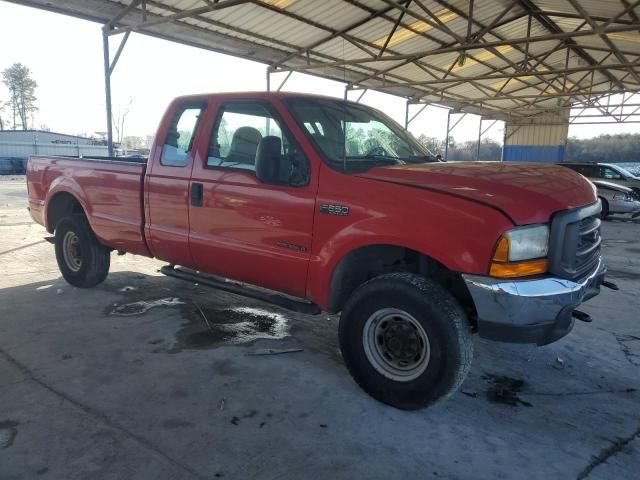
<point>574,249</point>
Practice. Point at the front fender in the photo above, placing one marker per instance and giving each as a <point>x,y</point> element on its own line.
<point>461,239</point>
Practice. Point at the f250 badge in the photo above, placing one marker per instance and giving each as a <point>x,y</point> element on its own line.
<point>339,210</point>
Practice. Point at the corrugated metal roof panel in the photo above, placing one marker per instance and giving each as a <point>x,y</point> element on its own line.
<point>302,34</point>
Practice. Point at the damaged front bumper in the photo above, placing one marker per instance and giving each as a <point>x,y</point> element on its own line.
<point>530,311</point>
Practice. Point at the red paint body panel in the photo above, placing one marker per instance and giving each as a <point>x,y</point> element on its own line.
<point>527,192</point>
<point>110,194</point>
<point>452,212</point>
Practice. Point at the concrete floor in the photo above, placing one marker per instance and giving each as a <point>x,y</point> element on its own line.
<point>92,386</point>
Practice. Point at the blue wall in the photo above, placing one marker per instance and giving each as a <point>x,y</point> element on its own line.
<point>12,166</point>
<point>533,153</point>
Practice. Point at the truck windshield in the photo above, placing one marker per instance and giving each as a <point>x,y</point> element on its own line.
<point>353,137</point>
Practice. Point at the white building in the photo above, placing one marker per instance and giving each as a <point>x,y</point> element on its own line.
<point>22,143</point>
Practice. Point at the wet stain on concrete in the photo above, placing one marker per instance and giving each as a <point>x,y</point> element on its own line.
<point>143,306</point>
<point>179,392</point>
<point>224,367</point>
<point>208,327</point>
<point>623,274</point>
<point>630,348</point>
<point>8,433</point>
<point>505,390</point>
<point>172,423</point>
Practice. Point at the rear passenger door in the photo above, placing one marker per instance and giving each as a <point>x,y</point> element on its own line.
<point>241,227</point>
<point>167,184</point>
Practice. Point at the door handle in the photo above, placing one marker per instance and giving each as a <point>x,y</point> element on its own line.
<point>196,194</point>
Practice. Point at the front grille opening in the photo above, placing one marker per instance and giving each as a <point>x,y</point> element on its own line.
<point>575,242</point>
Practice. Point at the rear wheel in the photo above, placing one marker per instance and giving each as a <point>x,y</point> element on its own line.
<point>83,261</point>
<point>405,340</point>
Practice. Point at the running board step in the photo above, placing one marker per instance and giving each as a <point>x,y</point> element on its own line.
<point>292,304</point>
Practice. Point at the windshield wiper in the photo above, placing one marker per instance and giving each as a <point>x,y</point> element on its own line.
<point>421,158</point>
<point>380,159</point>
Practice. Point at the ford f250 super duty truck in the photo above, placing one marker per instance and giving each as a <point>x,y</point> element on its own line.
<point>318,204</point>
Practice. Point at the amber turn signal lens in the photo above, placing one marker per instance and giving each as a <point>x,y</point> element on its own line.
<point>502,250</point>
<point>518,269</point>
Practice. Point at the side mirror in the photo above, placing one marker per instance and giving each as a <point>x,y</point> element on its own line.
<point>268,158</point>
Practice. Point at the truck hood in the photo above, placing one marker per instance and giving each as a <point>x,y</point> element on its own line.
<point>525,192</point>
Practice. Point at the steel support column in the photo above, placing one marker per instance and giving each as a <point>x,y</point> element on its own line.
<point>479,139</point>
<point>446,139</point>
<point>109,66</point>
<point>406,115</point>
<point>107,91</point>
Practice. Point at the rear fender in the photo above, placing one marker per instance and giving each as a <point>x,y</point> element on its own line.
<point>67,185</point>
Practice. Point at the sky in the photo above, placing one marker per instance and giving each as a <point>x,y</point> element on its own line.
<point>64,55</point>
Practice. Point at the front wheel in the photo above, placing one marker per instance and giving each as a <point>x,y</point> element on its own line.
<point>83,261</point>
<point>405,340</point>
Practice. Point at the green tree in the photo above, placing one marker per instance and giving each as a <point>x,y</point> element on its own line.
<point>22,98</point>
<point>433,144</point>
<point>623,147</point>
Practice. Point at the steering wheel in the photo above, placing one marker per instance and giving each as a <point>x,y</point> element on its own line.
<point>377,151</point>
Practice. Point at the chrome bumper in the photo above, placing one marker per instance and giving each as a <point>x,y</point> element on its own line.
<point>530,311</point>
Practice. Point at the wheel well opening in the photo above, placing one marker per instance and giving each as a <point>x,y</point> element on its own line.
<point>365,263</point>
<point>60,206</point>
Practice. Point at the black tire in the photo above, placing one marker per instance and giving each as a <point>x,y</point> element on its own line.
<point>89,263</point>
<point>442,319</point>
<point>604,213</point>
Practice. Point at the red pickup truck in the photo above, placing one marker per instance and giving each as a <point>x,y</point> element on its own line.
<point>318,204</point>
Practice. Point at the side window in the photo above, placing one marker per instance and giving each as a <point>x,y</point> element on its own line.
<point>239,131</point>
<point>609,173</point>
<point>179,141</point>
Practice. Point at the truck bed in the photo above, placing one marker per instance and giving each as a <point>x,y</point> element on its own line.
<point>110,190</point>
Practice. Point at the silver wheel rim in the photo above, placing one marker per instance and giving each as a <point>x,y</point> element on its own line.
<point>396,345</point>
<point>71,251</point>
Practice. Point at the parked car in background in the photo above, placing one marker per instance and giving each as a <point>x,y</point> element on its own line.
<point>617,199</point>
<point>609,172</point>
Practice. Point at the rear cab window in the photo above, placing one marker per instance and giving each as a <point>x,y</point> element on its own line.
<point>180,136</point>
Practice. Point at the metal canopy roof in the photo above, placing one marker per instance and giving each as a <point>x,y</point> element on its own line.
<point>506,59</point>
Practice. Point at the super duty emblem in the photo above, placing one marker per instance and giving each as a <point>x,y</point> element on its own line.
<point>339,210</point>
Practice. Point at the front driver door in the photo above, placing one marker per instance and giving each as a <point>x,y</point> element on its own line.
<point>167,184</point>
<point>242,228</point>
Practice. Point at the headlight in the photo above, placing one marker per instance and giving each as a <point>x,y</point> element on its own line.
<point>625,197</point>
<point>521,252</point>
